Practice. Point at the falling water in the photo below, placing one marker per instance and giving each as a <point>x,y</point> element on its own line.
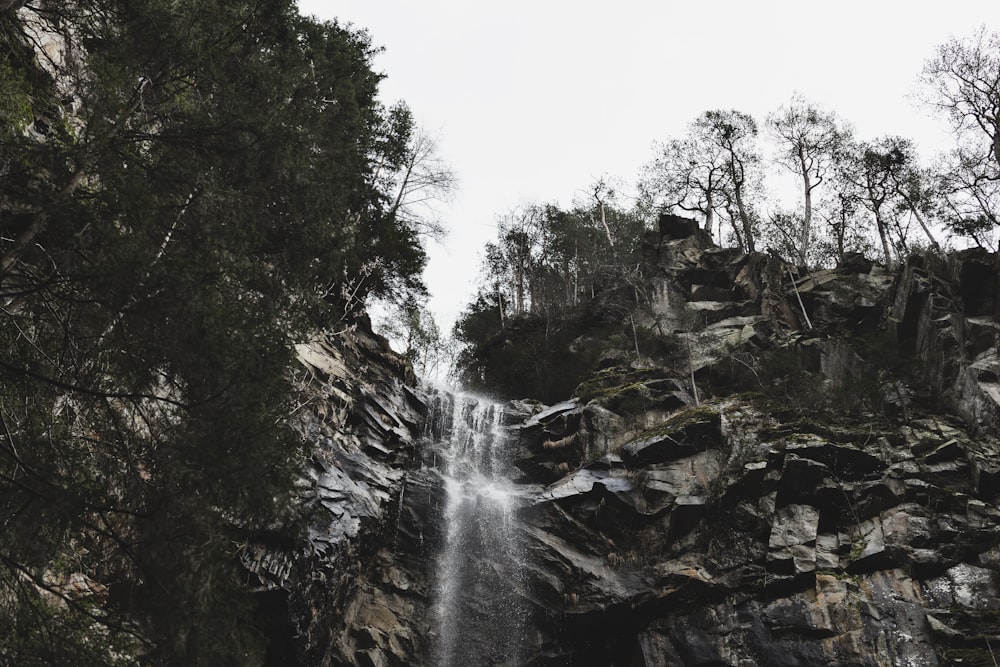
<point>480,620</point>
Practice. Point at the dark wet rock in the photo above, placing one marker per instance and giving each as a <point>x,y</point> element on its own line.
<point>661,544</point>
<point>677,227</point>
<point>742,535</point>
<point>812,478</point>
<point>347,597</point>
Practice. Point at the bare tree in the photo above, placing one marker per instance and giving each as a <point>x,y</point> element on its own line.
<point>962,82</point>
<point>916,191</point>
<point>519,236</point>
<point>601,190</point>
<point>735,133</point>
<point>714,168</point>
<point>885,179</point>
<point>423,181</point>
<point>970,194</point>
<point>810,143</point>
<point>840,210</point>
<point>413,329</point>
<point>689,174</point>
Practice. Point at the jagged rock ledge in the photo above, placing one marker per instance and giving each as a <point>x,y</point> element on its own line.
<point>809,476</point>
<point>336,596</point>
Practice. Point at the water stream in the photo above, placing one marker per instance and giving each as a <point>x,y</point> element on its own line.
<point>478,611</point>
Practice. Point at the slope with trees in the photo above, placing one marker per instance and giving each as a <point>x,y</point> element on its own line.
<point>549,277</point>
<point>187,188</point>
<point>856,195</point>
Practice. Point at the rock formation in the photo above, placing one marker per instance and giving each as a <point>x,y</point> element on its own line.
<point>342,594</point>
<point>808,475</point>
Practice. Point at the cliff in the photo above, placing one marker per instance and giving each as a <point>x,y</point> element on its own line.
<point>361,414</point>
<point>806,473</point>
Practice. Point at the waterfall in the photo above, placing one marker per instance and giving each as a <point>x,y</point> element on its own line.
<point>478,608</point>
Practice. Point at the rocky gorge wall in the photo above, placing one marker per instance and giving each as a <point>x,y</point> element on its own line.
<point>322,595</point>
<point>809,474</point>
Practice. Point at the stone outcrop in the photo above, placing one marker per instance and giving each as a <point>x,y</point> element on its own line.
<point>840,510</point>
<point>809,475</point>
<point>341,594</point>
<point>737,534</point>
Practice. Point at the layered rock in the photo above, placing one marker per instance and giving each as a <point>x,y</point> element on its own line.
<point>342,593</point>
<point>810,475</point>
<point>737,534</point>
<point>827,506</point>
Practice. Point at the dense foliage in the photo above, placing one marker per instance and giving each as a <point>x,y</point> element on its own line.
<point>186,187</point>
<point>551,277</point>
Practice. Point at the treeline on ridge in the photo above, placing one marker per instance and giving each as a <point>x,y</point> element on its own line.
<point>553,281</point>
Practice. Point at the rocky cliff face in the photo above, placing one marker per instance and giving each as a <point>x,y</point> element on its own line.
<point>833,502</point>
<point>808,474</point>
<point>326,596</point>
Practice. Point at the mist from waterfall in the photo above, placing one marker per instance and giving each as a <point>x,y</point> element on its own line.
<point>479,613</point>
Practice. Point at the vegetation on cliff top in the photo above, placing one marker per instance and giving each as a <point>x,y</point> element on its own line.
<point>550,268</point>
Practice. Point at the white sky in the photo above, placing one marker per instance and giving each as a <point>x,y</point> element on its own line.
<point>534,99</point>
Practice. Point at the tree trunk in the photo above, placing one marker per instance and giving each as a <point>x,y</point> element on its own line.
<point>576,272</point>
<point>804,239</point>
<point>736,167</point>
<point>635,338</point>
<point>736,232</point>
<point>500,304</point>
<point>398,201</point>
<point>607,229</point>
<point>996,141</point>
<point>745,220</point>
<point>841,233</point>
<point>882,234</point>
<point>923,223</point>
<point>519,289</point>
<point>709,214</point>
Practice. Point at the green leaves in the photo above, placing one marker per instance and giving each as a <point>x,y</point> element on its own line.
<point>551,277</point>
<point>167,229</point>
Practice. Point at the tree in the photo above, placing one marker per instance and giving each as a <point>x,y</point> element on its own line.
<point>736,134</point>
<point>810,142</point>
<point>715,167</point>
<point>601,190</point>
<point>781,231</point>
<point>962,82</point>
<point>412,327</point>
<point>916,189</point>
<point>422,181</point>
<point>515,254</point>
<point>569,244</point>
<point>970,197</point>
<point>884,178</point>
<point>549,276</point>
<point>689,174</point>
<point>840,210</point>
<point>183,201</point>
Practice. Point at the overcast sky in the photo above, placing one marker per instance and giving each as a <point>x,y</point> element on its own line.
<point>534,99</point>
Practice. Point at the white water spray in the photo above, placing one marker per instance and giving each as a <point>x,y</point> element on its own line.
<point>479,614</point>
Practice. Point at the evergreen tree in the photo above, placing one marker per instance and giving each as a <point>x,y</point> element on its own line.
<point>187,189</point>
